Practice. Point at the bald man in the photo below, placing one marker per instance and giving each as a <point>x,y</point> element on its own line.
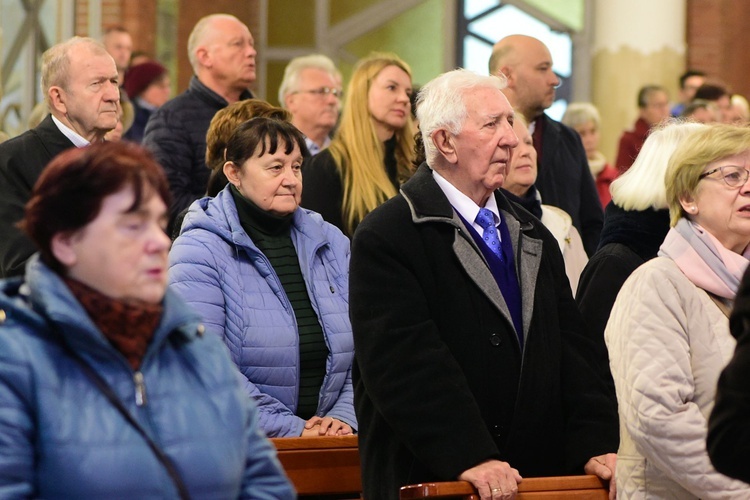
<point>222,53</point>
<point>564,179</point>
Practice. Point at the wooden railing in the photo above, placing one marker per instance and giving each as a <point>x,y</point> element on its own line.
<point>330,466</point>
<point>535,488</point>
<point>321,465</point>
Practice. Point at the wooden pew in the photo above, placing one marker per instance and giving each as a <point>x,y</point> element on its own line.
<point>535,488</point>
<point>321,465</point>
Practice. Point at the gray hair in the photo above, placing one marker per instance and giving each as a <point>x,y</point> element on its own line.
<point>643,185</point>
<point>580,113</point>
<point>56,63</point>
<point>200,33</point>
<point>290,83</point>
<point>438,107</point>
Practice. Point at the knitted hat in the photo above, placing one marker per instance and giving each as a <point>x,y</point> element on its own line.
<point>139,77</point>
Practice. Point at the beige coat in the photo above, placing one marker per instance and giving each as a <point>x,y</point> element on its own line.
<point>668,342</point>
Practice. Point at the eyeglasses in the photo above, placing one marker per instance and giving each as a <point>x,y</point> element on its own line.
<point>733,175</point>
<point>322,92</point>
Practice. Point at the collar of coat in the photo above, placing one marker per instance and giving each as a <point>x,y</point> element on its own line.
<point>428,204</point>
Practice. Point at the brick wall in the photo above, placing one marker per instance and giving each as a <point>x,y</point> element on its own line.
<point>718,38</point>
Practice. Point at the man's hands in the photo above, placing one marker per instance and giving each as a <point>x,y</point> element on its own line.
<point>493,479</point>
<point>603,466</point>
<point>325,426</point>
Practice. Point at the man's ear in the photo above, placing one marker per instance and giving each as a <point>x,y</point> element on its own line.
<point>63,249</point>
<point>445,144</point>
<point>509,73</point>
<point>203,57</point>
<point>57,99</point>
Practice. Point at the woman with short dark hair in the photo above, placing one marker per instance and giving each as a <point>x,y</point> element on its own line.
<point>272,280</point>
<point>108,387</point>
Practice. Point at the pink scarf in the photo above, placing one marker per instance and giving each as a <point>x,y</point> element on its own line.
<point>704,260</point>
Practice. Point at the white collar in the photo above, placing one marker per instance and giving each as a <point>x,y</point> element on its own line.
<point>77,140</point>
<point>464,205</point>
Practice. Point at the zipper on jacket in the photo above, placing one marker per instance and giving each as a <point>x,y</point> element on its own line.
<point>140,389</point>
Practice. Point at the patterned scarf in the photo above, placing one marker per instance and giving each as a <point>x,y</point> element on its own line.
<point>128,325</point>
<point>704,260</point>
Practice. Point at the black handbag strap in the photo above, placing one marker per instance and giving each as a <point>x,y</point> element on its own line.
<point>105,389</point>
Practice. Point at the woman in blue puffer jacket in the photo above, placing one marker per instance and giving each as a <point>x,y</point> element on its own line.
<point>271,279</point>
<point>108,387</point>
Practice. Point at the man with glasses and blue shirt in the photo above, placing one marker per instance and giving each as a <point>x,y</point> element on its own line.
<point>311,91</point>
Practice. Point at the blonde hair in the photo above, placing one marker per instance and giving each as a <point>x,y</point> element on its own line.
<point>642,186</point>
<point>703,147</point>
<point>358,153</point>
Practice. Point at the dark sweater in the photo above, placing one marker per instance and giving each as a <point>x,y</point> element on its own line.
<point>271,234</point>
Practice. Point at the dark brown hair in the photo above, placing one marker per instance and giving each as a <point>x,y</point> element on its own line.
<point>259,136</point>
<point>71,189</point>
<point>222,125</point>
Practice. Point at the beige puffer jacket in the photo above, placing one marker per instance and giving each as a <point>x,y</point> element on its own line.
<point>668,342</point>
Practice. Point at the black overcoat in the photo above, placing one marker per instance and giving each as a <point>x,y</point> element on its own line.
<point>440,381</point>
<point>22,160</point>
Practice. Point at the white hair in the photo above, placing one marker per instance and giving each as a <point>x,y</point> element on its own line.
<point>198,35</point>
<point>290,83</point>
<point>580,113</point>
<point>440,104</point>
<point>643,185</point>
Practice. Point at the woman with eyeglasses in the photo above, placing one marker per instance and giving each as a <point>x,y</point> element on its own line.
<point>371,152</point>
<point>668,334</point>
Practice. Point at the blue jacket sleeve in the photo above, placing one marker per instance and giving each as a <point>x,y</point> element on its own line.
<point>16,423</point>
<point>264,476</point>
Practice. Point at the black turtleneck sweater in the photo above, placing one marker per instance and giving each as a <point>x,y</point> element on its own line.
<point>272,235</point>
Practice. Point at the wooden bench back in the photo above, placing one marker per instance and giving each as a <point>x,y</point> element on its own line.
<point>321,465</point>
<point>535,488</point>
<point>330,466</point>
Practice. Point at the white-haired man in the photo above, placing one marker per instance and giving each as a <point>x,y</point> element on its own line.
<point>80,88</point>
<point>222,53</point>
<point>471,358</point>
<point>312,94</point>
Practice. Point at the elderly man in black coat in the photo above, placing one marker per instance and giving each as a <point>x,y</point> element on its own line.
<point>80,86</point>
<point>471,358</point>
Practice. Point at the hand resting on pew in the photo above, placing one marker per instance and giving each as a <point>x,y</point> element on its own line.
<point>493,479</point>
<point>326,426</point>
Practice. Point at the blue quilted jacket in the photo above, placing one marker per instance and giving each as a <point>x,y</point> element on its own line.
<point>217,269</point>
<point>61,438</point>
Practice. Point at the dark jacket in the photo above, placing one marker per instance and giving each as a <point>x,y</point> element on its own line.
<point>440,382</point>
<point>22,160</point>
<point>629,238</point>
<point>323,190</point>
<point>60,437</point>
<point>136,130</point>
<point>728,440</point>
<point>176,135</point>
<point>565,181</point>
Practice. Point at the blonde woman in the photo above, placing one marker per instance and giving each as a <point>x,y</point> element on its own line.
<point>370,155</point>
